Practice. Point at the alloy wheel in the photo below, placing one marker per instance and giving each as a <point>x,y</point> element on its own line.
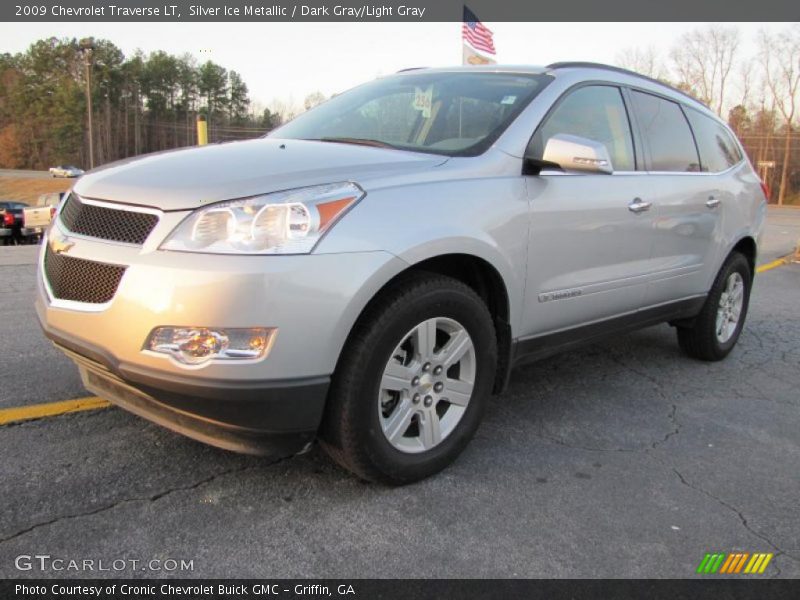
<point>426,385</point>
<point>730,306</point>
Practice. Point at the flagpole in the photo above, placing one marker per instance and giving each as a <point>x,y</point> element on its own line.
<point>463,61</point>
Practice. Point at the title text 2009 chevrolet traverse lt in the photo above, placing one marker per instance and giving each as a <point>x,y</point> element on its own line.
<point>369,273</point>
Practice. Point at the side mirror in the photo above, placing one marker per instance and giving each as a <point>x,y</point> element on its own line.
<point>574,153</point>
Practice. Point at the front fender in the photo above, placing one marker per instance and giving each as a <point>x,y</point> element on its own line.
<point>484,217</point>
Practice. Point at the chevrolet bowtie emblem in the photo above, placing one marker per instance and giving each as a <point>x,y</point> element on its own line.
<point>60,243</point>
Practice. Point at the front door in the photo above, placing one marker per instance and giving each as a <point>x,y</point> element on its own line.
<point>591,235</point>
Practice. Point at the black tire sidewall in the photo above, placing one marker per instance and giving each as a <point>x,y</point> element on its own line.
<point>449,302</point>
<point>737,263</point>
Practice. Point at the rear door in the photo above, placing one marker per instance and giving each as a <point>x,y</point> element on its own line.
<point>722,162</point>
<point>589,246</point>
<point>686,201</point>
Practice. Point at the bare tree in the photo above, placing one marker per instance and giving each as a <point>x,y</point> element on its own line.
<point>285,109</point>
<point>703,59</point>
<point>314,99</point>
<point>643,60</point>
<point>745,80</point>
<point>780,57</point>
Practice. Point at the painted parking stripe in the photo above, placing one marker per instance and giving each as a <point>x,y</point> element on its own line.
<point>50,409</point>
<point>772,265</point>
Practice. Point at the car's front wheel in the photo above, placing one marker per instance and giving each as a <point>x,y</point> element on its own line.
<point>715,331</point>
<point>412,383</point>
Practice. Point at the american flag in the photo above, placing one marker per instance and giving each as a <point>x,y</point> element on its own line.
<point>476,34</point>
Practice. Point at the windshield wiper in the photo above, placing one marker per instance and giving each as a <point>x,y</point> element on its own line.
<point>356,141</point>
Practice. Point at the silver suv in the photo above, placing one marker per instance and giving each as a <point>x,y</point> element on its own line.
<point>369,273</point>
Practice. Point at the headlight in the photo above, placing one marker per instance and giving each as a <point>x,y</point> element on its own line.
<point>289,222</point>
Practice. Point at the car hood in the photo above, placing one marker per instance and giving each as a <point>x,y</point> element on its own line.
<point>188,178</point>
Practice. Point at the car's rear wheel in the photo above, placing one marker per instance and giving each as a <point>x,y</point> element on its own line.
<point>411,385</point>
<point>715,331</point>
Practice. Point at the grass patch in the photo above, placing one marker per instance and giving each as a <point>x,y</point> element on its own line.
<point>28,190</point>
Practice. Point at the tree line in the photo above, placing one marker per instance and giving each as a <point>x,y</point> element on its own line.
<point>142,103</point>
<point>150,102</point>
<point>758,94</point>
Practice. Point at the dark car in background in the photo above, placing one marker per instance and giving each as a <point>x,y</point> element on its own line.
<point>21,224</point>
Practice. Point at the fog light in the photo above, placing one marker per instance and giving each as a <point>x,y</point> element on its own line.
<point>196,345</point>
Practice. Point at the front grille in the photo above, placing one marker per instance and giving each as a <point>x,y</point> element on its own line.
<point>81,280</point>
<point>112,224</point>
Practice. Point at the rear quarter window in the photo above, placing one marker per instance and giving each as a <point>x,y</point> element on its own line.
<point>718,150</point>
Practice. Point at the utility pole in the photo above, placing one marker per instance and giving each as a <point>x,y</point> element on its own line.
<point>86,50</point>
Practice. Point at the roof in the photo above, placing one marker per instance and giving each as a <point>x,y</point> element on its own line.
<point>532,69</point>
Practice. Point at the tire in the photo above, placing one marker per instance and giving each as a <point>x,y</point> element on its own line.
<point>385,347</point>
<point>705,339</point>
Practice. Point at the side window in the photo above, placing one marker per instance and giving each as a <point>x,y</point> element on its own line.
<point>667,133</point>
<point>596,112</point>
<point>718,151</point>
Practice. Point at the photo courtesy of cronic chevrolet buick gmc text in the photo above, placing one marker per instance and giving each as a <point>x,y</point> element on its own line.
<point>369,273</point>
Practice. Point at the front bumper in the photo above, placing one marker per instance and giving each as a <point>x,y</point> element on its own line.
<point>275,418</point>
<point>266,406</point>
<point>24,232</point>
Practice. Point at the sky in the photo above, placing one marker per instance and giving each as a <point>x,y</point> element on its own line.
<point>287,61</point>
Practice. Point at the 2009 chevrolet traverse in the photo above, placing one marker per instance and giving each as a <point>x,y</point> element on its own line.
<point>368,273</point>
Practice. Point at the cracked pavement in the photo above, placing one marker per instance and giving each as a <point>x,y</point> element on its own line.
<point>622,459</point>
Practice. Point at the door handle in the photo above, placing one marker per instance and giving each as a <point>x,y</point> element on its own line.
<point>712,202</point>
<point>638,205</point>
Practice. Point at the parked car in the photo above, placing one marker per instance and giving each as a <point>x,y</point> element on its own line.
<point>50,199</point>
<point>66,171</point>
<point>21,224</point>
<point>369,273</point>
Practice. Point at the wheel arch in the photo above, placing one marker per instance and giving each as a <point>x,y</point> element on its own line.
<point>482,277</point>
<point>747,246</point>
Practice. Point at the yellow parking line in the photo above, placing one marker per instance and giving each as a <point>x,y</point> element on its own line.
<point>50,409</point>
<point>772,265</point>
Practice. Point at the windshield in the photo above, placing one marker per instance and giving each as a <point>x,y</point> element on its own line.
<point>455,113</point>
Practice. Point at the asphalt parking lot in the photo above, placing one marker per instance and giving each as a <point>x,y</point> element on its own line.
<point>623,459</point>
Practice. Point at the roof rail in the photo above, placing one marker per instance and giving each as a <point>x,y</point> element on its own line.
<point>593,65</point>
<point>411,69</point>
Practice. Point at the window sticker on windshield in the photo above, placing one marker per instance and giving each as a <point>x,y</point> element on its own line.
<point>423,98</point>
<point>508,100</point>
